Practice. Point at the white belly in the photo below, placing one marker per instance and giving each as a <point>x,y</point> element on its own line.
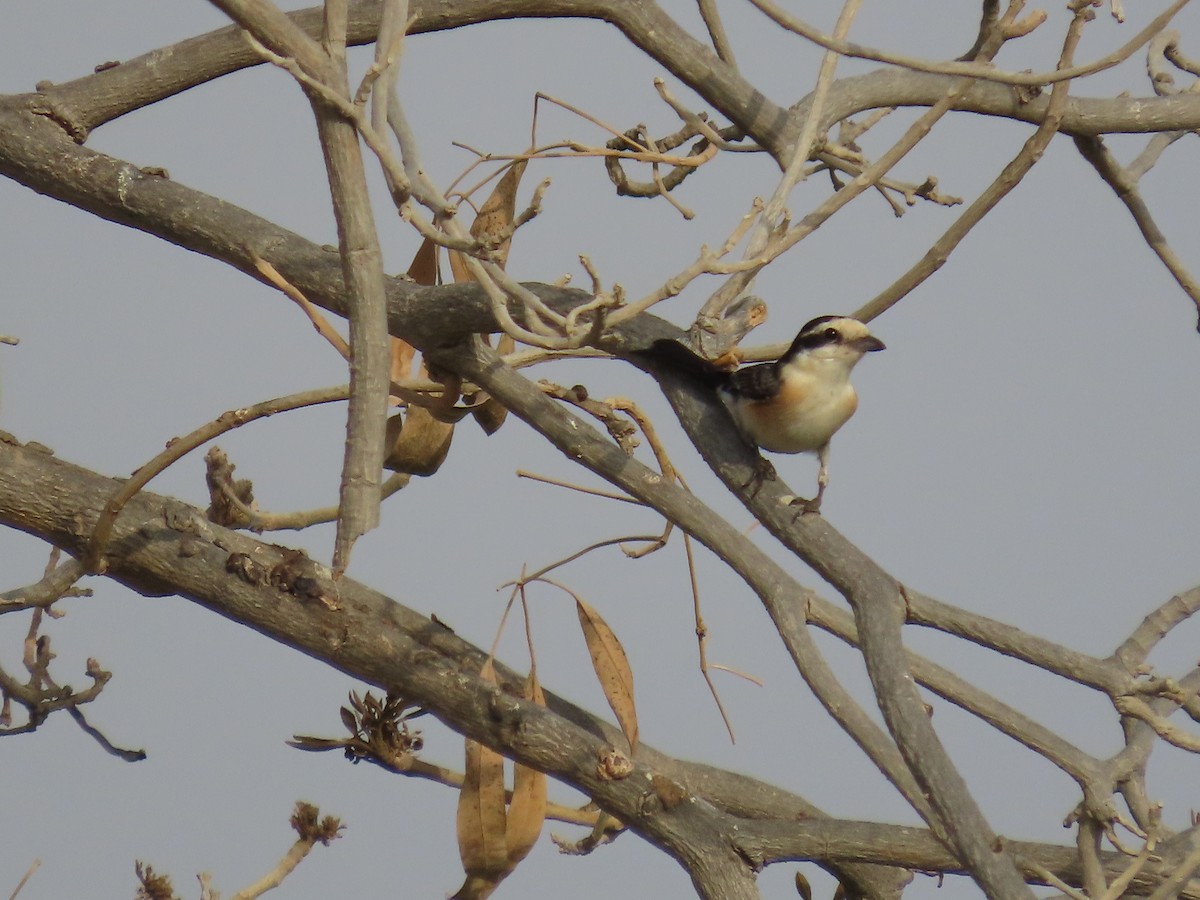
<point>798,424</point>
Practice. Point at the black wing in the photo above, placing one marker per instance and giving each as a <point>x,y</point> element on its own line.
<point>674,354</point>
<point>758,382</point>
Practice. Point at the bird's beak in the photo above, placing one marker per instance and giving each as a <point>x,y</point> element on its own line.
<point>869,344</point>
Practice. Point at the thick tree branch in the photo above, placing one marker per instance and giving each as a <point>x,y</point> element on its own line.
<point>1085,116</point>
<point>34,151</point>
<point>163,546</point>
<point>797,841</point>
<point>169,71</point>
<point>37,153</point>
<point>780,594</point>
<point>361,257</point>
<point>730,826</point>
<point>87,102</point>
<point>876,599</point>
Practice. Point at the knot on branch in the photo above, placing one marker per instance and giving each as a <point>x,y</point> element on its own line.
<point>637,144</point>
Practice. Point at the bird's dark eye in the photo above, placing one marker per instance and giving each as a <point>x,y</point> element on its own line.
<point>832,334</point>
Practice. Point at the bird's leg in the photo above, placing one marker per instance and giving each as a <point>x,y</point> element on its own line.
<point>822,474</point>
<point>814,505</point>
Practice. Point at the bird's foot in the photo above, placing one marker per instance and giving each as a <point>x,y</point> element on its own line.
<point>763,471</point>
<point>805,507</point>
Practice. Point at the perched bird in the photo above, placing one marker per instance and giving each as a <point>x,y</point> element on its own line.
<point>792,405</point>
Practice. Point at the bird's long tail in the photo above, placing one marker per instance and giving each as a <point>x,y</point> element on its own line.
<point>671,354</point>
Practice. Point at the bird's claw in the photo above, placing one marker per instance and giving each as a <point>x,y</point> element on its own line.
<point>806,507</point>
<point>763,471</point>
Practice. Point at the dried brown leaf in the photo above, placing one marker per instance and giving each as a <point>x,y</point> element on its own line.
<point>481,816</point>
<point>458,267</point>
<point>313,744</point>
<point>417,442</point>
<point>490,414</point>
<point>612,669</point>
<point>403,354</point>
<point>424,267</point>
<point>319,322</point>
<point>422,270</point>
<point>496,215</point>
<point>476,888</point>
<point>527,812</point>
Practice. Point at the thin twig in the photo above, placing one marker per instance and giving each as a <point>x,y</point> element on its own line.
<point>700,124</point>
<point>702,637</point>
<point>925,191</point>
<point>179,447</point>
<point>419,768</point>
<point>716,31</point>
<point>595,492</point>
<point>1010,176</point>
<point>767,228</point>
<point>1172,734</point>
<point>310,834</point>
<point>550,567</point>
<point>409,390</point>
<point>100,738</point>
<point>1093,150</point>
<point>708,262</point>
<point>615,132</point>
<point>259,521</point>
<point>33,867</point>
<point>1054,881</point>
<point>987,21</point>
<point>1116,890</point>
<point>528,633</point>
<point>972,69</point>
<point>1155,147</point>
<point>55,584</point>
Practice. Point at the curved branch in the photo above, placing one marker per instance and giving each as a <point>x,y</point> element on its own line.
<point>51,495</point>
<point>87,102</point>
<point>165,546</point>
<point>780,594</point>
<point>162,546</point>
<point>1087,116</point>
<point>965,67</point>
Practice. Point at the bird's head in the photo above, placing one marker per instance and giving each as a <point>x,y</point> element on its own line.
<point>832,339</point>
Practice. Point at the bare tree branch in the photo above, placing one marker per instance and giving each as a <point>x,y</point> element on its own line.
<point>166,545</point>
<point>1125,187</point>
<point>721,828</point>
<point>362,258</point>
<point>87,102</point>
<point>973,69</point>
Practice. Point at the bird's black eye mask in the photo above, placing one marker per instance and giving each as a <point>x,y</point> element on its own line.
<point>815,324</point>
<point>814,335</point>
